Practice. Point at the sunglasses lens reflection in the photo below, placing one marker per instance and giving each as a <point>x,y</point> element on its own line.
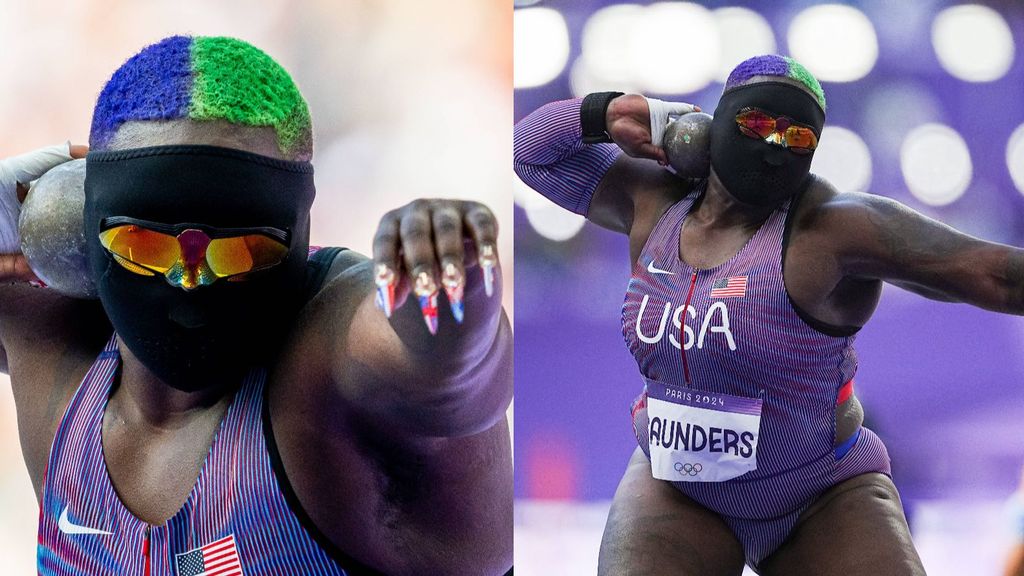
<point>153,250</point>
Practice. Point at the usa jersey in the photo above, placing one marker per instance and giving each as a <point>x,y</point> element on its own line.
<point>733,330</point>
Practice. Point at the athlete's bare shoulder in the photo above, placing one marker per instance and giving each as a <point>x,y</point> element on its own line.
<point>819,238</point>
<point>633,196</point>
<point>813,204</point>
<point>347,262</point>
<point>823,210</point>
<point>632,192</point>
<point>849,224</point>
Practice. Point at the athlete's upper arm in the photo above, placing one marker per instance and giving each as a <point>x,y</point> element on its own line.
<point>454,494</point>
<point>634,191</point>
<point>457,493</point>
<point>49,341</point>
<point>879,238</point>
<point>36,322</point>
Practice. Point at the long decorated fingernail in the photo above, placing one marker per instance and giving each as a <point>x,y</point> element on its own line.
<point>426,291</point>
<point>384,278</point>
<point>453,288</point>
<point>488,261</point>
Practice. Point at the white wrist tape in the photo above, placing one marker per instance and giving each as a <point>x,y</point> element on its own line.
<point>22,170</point>
<point>662,113</point>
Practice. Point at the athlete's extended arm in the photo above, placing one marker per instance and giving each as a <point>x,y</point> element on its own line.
<point>416,419</point>
<point>883,239</point>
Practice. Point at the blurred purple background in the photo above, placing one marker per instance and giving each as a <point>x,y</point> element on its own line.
<point>942,384</point>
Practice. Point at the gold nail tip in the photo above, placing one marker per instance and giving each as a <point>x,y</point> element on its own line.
<point>451,270</point>
<point>452,278</point>
<point>425,283</point>
<point>487,256</point>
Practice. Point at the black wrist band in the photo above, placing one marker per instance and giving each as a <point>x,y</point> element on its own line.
<point>592,117</point>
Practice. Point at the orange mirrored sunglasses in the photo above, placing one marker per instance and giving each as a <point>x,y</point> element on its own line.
<point>191,255</point>
<point>779,130</point>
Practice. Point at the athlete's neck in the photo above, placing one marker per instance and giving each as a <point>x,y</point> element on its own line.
<point>720,209</point>
<point>142,397</point>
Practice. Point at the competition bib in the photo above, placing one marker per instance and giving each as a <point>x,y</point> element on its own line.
<point>701,436</point>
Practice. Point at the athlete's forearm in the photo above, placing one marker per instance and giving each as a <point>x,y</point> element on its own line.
<point>551,157</point>
<point>986,275</point>
<point>1009,278</point>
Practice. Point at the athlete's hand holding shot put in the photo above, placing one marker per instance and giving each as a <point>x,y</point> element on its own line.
<point>291,410</point>
<point>16,173</point>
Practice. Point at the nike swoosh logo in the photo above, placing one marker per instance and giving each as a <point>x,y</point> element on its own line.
<point>653,270</point>
<point>67,527</point>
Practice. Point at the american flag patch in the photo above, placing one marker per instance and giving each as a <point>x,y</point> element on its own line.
<point>219,558</point>
<point>733,287</point>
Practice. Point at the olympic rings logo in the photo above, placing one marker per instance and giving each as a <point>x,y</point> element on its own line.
<point>688,469</point>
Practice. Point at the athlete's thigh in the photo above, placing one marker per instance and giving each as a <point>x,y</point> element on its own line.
<point>654,530</point>
<point>857,528</point>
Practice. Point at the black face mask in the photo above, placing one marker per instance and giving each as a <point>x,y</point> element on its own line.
<point>195,339</point>
<point>753,171</point>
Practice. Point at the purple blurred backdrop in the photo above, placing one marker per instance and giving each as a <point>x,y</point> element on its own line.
<point>942,384</point>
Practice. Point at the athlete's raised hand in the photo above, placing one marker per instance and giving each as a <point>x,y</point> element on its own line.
<point>637,124</point>
<point>430,245</point>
